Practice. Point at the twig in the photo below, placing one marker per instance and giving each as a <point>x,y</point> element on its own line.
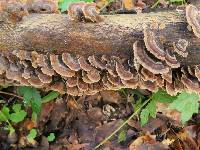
<point>11,94</point>
<point>123,124</point>
<point>156,3</point>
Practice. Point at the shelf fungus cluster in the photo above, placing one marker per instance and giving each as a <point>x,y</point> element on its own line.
<point>150,66</point>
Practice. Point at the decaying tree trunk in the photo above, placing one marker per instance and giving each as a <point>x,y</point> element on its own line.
<point>115,35</point>
<point>51,51</point>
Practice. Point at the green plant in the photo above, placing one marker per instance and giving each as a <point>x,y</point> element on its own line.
<point>17,115</point>
<point>122,136</point>
<point>51,137</point>
<point>49,97</point>
<point>171,1</point>
<point>32,134</point>
<point>64,4</point>
<point>186,103</point>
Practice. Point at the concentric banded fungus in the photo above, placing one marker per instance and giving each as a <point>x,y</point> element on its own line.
<point>122,72</point>
<point>171,60</point>
<point>35,81</point>
<point>71,62</point>
<point>108,85</point>
<point>149,85</point>
<point>160,81</point>
<point>71,82</point>
<point>75,11</point>
<point>181,47</point>
<point>23,55</point>
<point>45,65</point>
<point>43,77</point>
<point>133,83</point>
<point>167,76</point>
<point>170,89</point>
<point>91,12</point>
<point>146,61</point>
<point>82,86</point>
<point>111,69</point>
<point>152,45</point>
<point>42,6</point>
<point>192,16</point>
<point>73,91</point>
<point>96,62</point>
<point>147,75</point>
<point>84,64</point>
<point>58,86</point>
<point>114,80</point>
<point>191,85</point>
<point>14,72</point>
<point>197,72</point>
<point>94,75</point>
<point>60,67</point>
<point>85,78</point>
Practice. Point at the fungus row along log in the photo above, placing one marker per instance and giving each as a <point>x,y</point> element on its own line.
<point>149,65</point>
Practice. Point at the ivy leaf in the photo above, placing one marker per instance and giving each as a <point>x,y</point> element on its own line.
<point>187,104</point>
<point>149,110</point>
<point>4,114</point>
<point>32,134</point>
<point>163,97</point>
<point>51,137</point>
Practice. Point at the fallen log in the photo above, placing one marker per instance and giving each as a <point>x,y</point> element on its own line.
<point>49,36</point>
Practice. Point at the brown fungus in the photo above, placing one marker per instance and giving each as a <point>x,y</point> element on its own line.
<point>14,72</point>
<point>147,75</point>
<point>82,86</point>
<point>171,60</point>
<point>146,61</point>
<point>197,72</point>
<point>167,76</point>
<point>192,16</point>
<point>35,81</point>
<point>114,80</point>
<point>94,75</point>
<point>58,86</point>
<point>84,64</point>
<point>170,89</point>
<point>60,67</point>
<point>91,12</point>
<point>152,44</point>
<point>96,62</point>
<point>71,62</point>
<point>75,11</point>
<point>43,77</point>
<point>122,72</point>
<point>181,47</point>
<point>85,78</point>
<point>22,55</point>
<point>149,85</point>
<point>191,85</point>
<point>133,83</point>
<point>71,82</point>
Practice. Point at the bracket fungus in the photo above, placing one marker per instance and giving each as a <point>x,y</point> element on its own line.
<point>84,11</point>
<point>147,62</point>
<point>152,44</point>
<point>181,47</point>
<point>192,16</point>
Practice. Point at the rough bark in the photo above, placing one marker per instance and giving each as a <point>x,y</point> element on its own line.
<point>55,33</point>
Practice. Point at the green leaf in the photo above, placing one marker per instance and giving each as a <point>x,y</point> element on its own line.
<point>149,110</point>
<point>31,97</point>
<point>51,96</point>
<point>18,116</point>
<point>163,97</point>
<point>51,137</point>
<point>64,4</point>
<point>187,104</point>
<point>121,136</point>
<point>17,107</point>
<point>32,134</point>
<point>4,114</point>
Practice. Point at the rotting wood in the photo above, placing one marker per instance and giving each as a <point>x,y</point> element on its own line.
<point>33,50</point>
